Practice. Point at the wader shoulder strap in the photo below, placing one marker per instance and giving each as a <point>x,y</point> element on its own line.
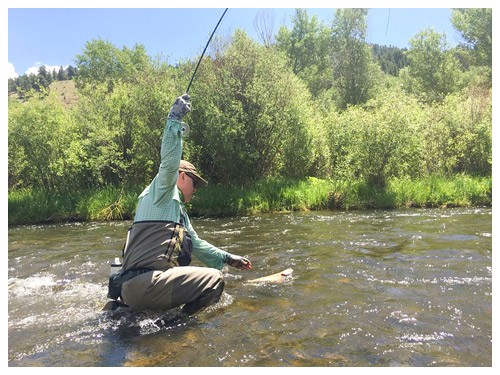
<point>126,242</point>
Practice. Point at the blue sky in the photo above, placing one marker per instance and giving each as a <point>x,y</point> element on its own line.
<point>54,36</point>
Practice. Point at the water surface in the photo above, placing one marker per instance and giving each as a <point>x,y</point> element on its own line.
<point>370,288</point>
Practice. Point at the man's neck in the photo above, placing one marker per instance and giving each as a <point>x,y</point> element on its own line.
<point>181,196</point>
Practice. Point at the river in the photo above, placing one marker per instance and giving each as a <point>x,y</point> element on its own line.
<point>410,287</point>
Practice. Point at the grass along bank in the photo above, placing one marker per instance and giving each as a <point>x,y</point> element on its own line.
<point>112,203</point>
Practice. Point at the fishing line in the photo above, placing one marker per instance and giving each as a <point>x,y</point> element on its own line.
<point>203,53</point>
<point>388,20</point>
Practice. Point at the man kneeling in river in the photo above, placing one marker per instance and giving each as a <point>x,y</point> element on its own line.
<point>156,275</point>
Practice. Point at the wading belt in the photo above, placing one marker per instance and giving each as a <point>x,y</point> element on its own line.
<point>130,274</point>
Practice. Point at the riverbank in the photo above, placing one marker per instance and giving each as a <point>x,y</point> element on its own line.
<point>114,203</point>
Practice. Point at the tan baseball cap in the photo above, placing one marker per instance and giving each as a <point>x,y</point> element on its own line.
<point>190,169</point>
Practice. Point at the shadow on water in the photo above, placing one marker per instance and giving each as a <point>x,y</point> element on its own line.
<point>381,288</point>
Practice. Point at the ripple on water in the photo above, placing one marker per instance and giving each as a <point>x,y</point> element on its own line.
<point>391,288</point>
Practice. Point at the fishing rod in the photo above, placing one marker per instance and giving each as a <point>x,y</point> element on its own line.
<point>203,53</point>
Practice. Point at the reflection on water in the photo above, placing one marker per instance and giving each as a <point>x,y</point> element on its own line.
<point>383,288</point>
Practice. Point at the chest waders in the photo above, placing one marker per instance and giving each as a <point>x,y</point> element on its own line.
<point>176,249</point>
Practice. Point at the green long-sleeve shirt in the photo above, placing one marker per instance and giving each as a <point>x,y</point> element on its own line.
<point>161,200</point>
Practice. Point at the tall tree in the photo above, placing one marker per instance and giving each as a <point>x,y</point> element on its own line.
<point>44,76</point>
<point>307,47</point>
<point>62,74</point>
<point>434,70</point>
<point>354,70</point>
<point>475,25</point>
<point>72,72</point>
<point>264,25</point>
<point>102,62</point>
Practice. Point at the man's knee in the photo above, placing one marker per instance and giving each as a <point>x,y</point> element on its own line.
<point>211,293</point>
<point>216,284</point>
<point>217,276</point>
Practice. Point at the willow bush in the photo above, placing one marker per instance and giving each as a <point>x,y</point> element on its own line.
<point>44,144</point>
<point>395,136</point>
<point>458,135</point>
<point>377,141</point>
<point>252,116</point>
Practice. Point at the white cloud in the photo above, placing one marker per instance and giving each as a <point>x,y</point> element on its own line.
<point>32,70</point>
<point>11,71</point>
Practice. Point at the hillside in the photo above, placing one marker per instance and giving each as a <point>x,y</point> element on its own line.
<point>65,90</point>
